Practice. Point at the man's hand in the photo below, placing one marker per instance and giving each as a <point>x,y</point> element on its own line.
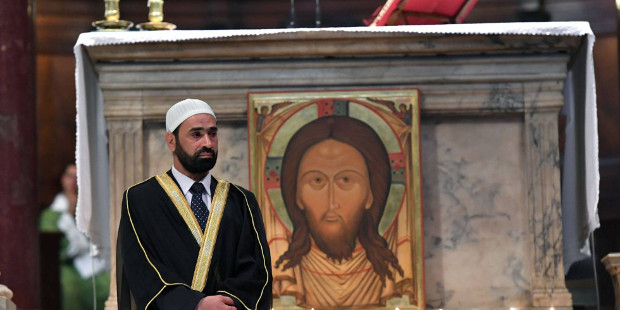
<point>216,302</point>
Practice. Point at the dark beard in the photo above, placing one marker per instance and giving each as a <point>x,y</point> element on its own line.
<point>194,164</point>
<point>337,247</point>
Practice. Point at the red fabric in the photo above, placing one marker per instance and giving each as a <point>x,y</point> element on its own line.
<point>449,8</point>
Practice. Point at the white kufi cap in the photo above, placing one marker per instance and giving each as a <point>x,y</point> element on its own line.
<point>183,110</point>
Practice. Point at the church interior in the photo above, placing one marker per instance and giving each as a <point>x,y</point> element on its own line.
<point>38,126</point>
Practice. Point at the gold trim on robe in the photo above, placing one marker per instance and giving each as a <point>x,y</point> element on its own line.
<point>205,239</point>
<point>262,250</point>
<point>133,227</point>
<point>210,236</point>
<point>178,199</point>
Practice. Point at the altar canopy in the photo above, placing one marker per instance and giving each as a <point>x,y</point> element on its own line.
<point>95,52</point>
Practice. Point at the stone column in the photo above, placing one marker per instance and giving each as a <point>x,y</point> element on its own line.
<point>542,162</point>
<point>612,264</point>
<point>19,257</point>
<point>126,169</point>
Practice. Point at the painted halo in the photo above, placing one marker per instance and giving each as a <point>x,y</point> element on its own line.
<point>341,107</point>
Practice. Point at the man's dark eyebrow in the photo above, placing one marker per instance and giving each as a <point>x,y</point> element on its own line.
<point>203,129</point>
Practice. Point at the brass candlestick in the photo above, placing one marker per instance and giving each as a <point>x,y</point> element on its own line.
<point>156,17</point>
<point>112,16</point>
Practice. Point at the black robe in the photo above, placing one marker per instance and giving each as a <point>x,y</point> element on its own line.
<point>170,252</point>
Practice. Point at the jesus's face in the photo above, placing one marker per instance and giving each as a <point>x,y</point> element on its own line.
<point>333,190</point>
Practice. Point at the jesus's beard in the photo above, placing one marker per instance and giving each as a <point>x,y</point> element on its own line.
<point>338,243</point>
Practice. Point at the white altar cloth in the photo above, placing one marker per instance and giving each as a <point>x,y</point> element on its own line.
<point>91,152</point>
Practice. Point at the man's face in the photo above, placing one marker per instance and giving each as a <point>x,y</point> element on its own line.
<point>333,190</point>
<point>196,146</point>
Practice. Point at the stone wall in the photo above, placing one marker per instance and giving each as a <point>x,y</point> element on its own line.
<point>489,137</point>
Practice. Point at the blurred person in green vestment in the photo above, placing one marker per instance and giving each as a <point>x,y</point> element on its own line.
<point>81,274</point>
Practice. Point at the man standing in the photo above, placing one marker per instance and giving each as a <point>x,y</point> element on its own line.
<point>186,239</point>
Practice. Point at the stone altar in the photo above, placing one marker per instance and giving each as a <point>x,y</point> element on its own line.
<point>489,111</point>
<point>612,264</point>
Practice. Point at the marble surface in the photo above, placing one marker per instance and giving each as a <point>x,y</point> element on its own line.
<point>473,197</point>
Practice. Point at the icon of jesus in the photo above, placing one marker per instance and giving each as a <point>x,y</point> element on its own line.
<point>336,179</point>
